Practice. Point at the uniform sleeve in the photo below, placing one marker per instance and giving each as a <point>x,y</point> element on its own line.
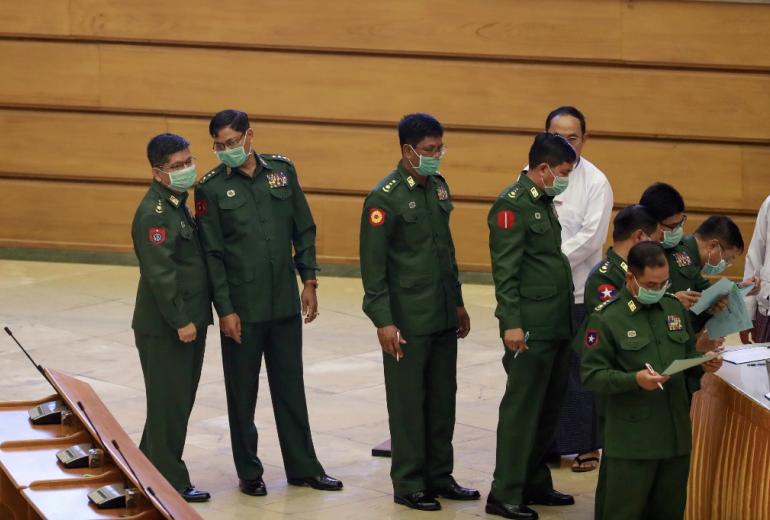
<point>592,295</point>
<point>755,257</point>
<point>304,233</point>
<point>692,375</point>
<point>593,229</point>
<point>507,234</point>
<point>157,266</point>
<point>377,226</point>
<point>598,369</point>
<point>455,269</point>
<point>212,240</point>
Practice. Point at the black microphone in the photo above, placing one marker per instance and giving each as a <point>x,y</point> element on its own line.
<point>39,368</point>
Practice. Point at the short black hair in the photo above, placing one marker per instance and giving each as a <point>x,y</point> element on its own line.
<point>631,218</point>
<point>722,228</point>
<point>162,146</point>
<point>662,201</point>
<point>413,128</point>
<point>551,149</point>
<point>566,111</point>
<point>235,119</point>
<point>646,254</point>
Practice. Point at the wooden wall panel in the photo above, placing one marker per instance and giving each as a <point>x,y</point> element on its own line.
<point>365,88</point>
<point>106,146</point>
<point>687,33</point>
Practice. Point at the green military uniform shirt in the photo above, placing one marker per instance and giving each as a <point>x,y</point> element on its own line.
<point>605,280</point>
<point>684,267</point>
<point>249,226</point>
<point>533,279</point>
<point>619,338</point>
<point>173,284</point>
<point>408,263</point>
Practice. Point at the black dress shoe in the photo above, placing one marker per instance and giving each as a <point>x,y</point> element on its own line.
<point>322,482</point>
<point>193,495</point>
<point>418,500</point>
<point>515,511</point>
<point>255,487</point>
<point>454,491</point>
<point>549,498</point>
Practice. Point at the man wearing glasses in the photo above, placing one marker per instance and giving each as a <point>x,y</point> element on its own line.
<point>627,342</point>
<point>173,308</point>
<point>252,214</point>
<point>412,295</point>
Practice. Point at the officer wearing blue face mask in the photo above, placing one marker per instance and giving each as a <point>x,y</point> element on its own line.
<point>173,308</point>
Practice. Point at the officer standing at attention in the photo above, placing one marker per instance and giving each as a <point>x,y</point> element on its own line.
<point>413,297</point>
<point>252,213</point>
<point>534,290</point>
<point>173,308</point>
<point>647,434</point>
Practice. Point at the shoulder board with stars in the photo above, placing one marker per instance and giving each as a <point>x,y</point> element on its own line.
<point>388,187</point>
<point>514,192</point>
<point>604,267</point>
<point>159,207</point>
<point>604,305</point>
<point>276,157</point>
<point>209,176</point>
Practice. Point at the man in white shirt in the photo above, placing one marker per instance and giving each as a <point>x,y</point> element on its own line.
<point>758,264</point>
<point>584,211</point>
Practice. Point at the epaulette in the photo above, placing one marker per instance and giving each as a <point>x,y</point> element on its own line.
<point>604,267</point>
<point>603,305</point>
<point>514,193</point>
<point>388,186</point>
<point>209,175</point>
<point>276,157</point>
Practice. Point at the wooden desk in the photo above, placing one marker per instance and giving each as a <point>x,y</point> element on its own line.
<point>730,472</point>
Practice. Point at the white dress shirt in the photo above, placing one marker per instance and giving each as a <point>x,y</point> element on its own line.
<point>758,261</point>
<point>584,214</point>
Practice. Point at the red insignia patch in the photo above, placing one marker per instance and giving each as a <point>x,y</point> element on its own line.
<point>201,208</point>
<point>377,217</point>
<point>505,219</point>
<point>157,235</point>
<point>591,338</point>
<point>606,291</point>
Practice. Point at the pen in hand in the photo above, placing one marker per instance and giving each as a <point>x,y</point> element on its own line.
<point>398,338</point>
<point>653,373</point>
<point>526,338</point>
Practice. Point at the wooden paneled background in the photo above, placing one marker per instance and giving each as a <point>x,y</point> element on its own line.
<point>673,90</point>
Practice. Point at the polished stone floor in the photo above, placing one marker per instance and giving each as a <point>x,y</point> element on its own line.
<point>76,318</point>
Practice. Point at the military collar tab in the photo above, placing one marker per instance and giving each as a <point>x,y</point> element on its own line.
<point>175,199</point>
<point>535,193</point>
<point>409,179</point>
<point>616,258</point>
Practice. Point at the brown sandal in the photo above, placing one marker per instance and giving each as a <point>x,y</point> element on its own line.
<point>582,464</point>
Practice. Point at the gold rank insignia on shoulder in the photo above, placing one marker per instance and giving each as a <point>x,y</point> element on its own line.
<point>390,185</point>
<point>230,193</point>
<point>411,182</point>
<point>631,333</point>
<point>604,267</point>
<point>174,200</point>
<point>624,266</point>
<point>442,193</point>
<point>533,191</point>
<point>631,306</point>
<point>277,180</point>
<point>513,193</point>
<point>159,207</point>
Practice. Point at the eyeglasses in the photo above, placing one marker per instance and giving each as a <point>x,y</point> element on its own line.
<point>229,144</point>
<point>677,225</point>
<point>663,286</point>
<point>433,152</point>
<point>177,165</point>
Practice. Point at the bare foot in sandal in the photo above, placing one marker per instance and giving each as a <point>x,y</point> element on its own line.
<point>586,462</point>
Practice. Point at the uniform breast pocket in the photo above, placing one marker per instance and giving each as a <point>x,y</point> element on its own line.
<point>234,214</point>
<point>416,226</point>
<point>541,236</point>
<point>282,201</point>
<point>679,340</point>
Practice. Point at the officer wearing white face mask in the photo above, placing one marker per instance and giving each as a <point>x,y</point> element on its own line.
<point>173,308</point>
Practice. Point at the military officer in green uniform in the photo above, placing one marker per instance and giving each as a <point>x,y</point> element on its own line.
<point>534,290</point>
<point>252,214</point>
<point>173,308</point>
<point>412,295</point>
<point>631,225</point>
<point>647,434</point>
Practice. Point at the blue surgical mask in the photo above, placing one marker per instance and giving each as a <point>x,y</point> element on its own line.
<point>559,184</point>
<point>673,237</point>
<point>649,296</point>
<point>712,269</point>
<point>234,157</point>
<point>428,165</point>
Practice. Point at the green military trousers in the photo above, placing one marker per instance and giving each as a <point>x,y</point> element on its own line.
<point>529,414</point>
<point>421,390</point>
<point>171,371</point>
<point>281,343</point>
<point>640,489</point>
